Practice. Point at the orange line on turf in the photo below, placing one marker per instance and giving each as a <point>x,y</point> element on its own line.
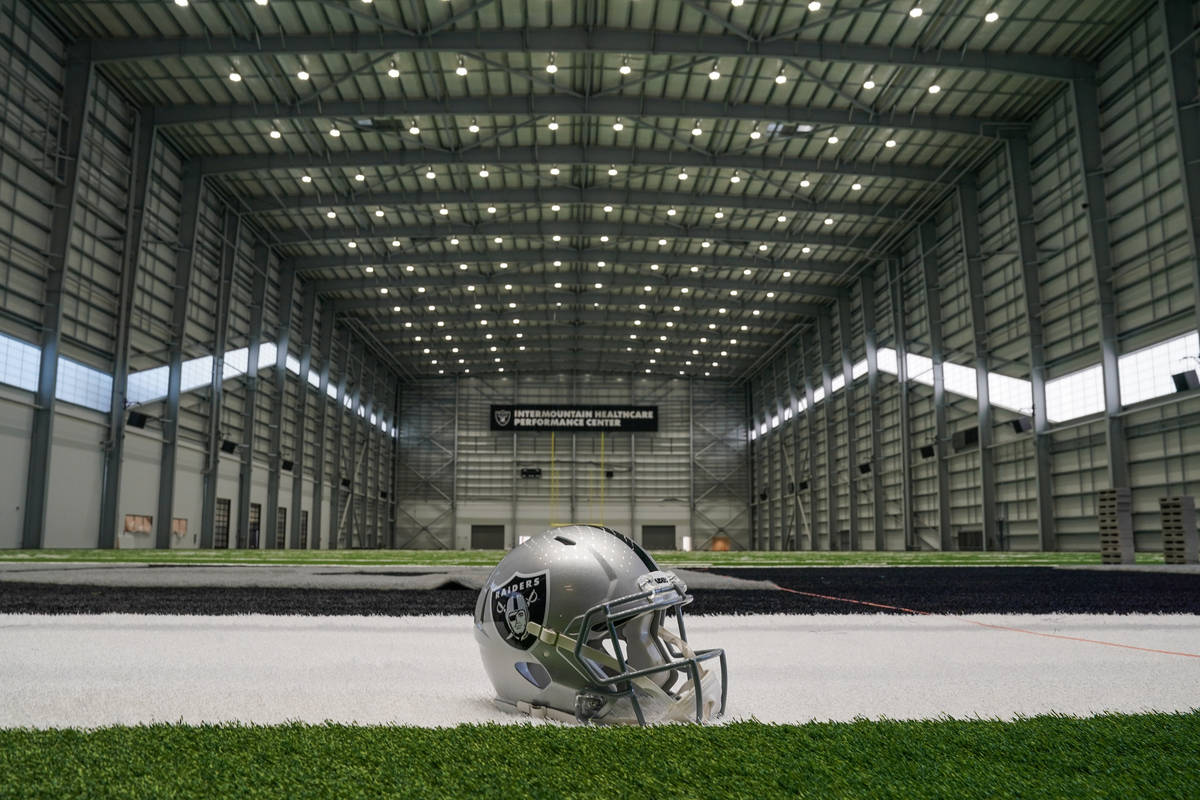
<point>987,624</point>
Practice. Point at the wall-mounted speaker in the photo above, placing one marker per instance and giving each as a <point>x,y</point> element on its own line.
<point>801,486</point>
<point>864,468</point>
<point>228,446</point>
<point>286,465</point>
<point>383,495</point>
<point>1022,425</point>
<point>762,495</point>
<point>968,437</point>
<point>1186,381</point>
<point>345,483</point>
<point>137,419</point>
<point>531,472</point>
<point>927,451</point>
<point>608,473</point>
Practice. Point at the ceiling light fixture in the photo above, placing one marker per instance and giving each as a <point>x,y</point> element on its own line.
<point>302,75</point>
<point>612,171</point>
<point>715,73</point>
<point>429,173</point>
<point>857,187</point>
<point>815,5</point>
<point>755,134</point>
<point>331,214</point>
<point>719,214</point>
<point>696,129</point>
<point>833,140</point>
<point>618,126</point>
<point>483,172</point>
<point>556,207</point>
<point>275,134</point>
<point>671,212</point>
<point>491,209</point>
<point>890,143</point>
<point>334,132</point>
<point>379,212</point>
<point>934,89</point>
<point>735,177</point>
<point>443,211</point>
<point>392,71</point>
<point>306,179</point>
<point>358,176</point>
<point>683,176</point>
<point>625,69</point>
<point>868,84</point>
<point>915,12</point>
<point>235,76</point>
<point>474,126</point>
<point>414,129</point>
<point>553,124</point>
<point>805,183</point>
<point>551,67</point>
<point>991,16</point>
<point>554,170</point>
<point>461,69</point>
<point>781,78</point>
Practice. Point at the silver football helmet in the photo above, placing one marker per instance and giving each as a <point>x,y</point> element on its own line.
<point>575,625</point>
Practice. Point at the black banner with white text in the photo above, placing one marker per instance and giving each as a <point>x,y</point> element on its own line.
<point>636,419</point>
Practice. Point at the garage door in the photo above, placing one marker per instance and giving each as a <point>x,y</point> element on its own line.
<point>658,537</point>
<point>487,537</point>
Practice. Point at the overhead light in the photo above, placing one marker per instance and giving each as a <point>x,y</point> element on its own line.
<point>483,172</point>
<point>368,270</point>
<point>648,288</point>
<point>612,171</point>
<point>604,238</point>
<point>601,264</point>
<point>503,265</point>
<point>736,3</point>
<point>868,84</point>
<point>491,209</point>
<point>235,76</point>
<point>556,207</point>
<point>762,247</point>
<point>554,170</point>
<point>453,240</point>
<point>461,69</point>
<point>181,3</point>
<point>662,242</point>
<point>833,140</point>
<point>334,132</point>
<point>696,129</point>
<point>352,244</point>
<point>991,16</point>
<point>275,134</point>
<point>683,176</point>
<point>806,250</point>
<point>306,179</point>
<point>608,209</point>
<point>671,212</point>
<point>719,214</point>
<point>706,244</point>
<point>558,285</point>
<point>857,187</point>
<point>625,69</point>
<point>474,126</point>
<point>781,78</point>
<point>805,183</point>
<point>392,71</point>
<point>781,218</point>
<point>443,211</point>
<point>715,73</point>
<point>618,126</point>
<point>814,6</point>
<point>599,285</point>
<point>694,268</point>
<point>414,129</point>
<point>379,212</point>
<point>733,292</point>
<point>556,237</point>
<point>553,124</point>
<point>755,134</point>
<point>358,176</point>
<point>551,67</point>
<point>498,240</point>
<point>302,75</point>
<point>934,89</point>
<point>735,177</point>
<point>396,309</point>
<point>429,173</point>
<point>654,267</point>
<point>331,214</point>
<point>829,220</point>
<point>890,143</point>
<point>915,12</point>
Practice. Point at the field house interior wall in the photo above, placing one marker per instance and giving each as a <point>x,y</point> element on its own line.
<point>160,274</point>
<point>911,458</point>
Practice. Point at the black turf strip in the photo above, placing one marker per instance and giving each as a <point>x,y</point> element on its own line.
<point>953,590</point>
<point>969,590</point>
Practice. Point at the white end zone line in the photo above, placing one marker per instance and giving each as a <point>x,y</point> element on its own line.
<point>97,670</point>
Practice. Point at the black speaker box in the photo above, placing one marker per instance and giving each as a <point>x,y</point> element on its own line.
<point>1186,381</point>
<point>926,451</point>
<point>137,419</point>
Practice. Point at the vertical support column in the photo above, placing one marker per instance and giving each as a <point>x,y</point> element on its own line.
<point>287,285</point>
<point>1017,148</point>
<point>185,257</point>
<point>249,414</point>
<point>910,538</point>
<point>77,94</point>
<point>1180,46</point>
<point>322,409</point>
<point>809,397</point>
<point>851,418</point>
<point>1087,129</point>
<point>633,531</point>
<point>968,205</point>
<point>135,214</point>
<point>339,416</point>
<point>212,462</point>
<point>393,475</point>
<point>866,289</point>
<point>770,448</point>
<point>751,438</point>
<point>691,383</point>
<point>824,325</point>
<point>454,466</point>
<point>779,501</point>
<point>298,460</point>
<point>792,530</point>
<point>933,301</point>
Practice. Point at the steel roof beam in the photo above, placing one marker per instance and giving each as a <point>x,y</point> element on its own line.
<point>568,154</point>
<point>572,195</point>
<point>576,277</point>
<point>580,40</point>
<point>406,337</point>
<point>566,255</point>
<point>572,328</point>
<point>568,105</point>
<point>617,230</point>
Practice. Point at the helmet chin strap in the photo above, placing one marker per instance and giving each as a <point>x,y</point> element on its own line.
<point>681,709</point>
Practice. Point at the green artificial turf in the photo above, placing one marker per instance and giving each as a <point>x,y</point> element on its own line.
<point>489,557</point>
<point>1141,756</point>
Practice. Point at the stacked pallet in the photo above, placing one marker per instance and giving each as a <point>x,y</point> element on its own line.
<point>1180,544</point>
<point>1115,512</point>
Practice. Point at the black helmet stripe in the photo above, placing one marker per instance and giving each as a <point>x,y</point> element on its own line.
<point>637,548</point>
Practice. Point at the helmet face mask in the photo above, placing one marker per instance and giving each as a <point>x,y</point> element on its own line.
<point>593,615</point>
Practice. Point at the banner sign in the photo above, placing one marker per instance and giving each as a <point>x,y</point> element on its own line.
<point>574,418</point>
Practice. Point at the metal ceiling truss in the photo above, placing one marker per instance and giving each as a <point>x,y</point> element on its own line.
<point>567,155</point>
<point>566,196</point>
<point>531,230</point>
<point>579,40</point>
<point>577,277</point>
<point>560,105</point>
<point>565,332</point>
<point>565,255</point>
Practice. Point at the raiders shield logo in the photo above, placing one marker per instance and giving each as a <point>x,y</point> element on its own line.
<point>515,603</point>
<point>503,417</point>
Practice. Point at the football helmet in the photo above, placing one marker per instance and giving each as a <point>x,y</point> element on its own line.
<point>575,624</point>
